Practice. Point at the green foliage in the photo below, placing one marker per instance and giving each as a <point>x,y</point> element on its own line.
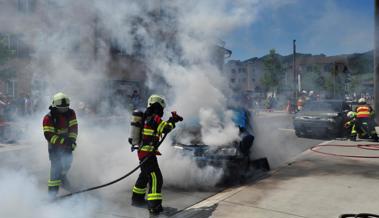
<point>314,77</point>
<point>361,63</point>
<point>313,80</point>
<point>334,86</point>
<point>273,72</point>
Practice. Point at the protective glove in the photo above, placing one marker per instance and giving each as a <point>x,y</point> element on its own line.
<point>347,125</point>
<point>175,117</point>
<point>73,146</point>
<point>70,143</point>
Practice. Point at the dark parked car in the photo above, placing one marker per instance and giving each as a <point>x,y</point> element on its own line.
<point>324,118</point>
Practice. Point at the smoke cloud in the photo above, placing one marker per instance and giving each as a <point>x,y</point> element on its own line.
<point>70,41</point>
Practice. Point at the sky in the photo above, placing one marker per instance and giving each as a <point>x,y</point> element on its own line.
<point>330,27</point>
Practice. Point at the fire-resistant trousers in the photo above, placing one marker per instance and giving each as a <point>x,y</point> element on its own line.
<point>361,129</point>
<point>150,174</point>
<point>60,164</point>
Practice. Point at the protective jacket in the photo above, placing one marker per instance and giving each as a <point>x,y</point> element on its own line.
<point>60,130</point>
<point>153,129</point>
<point>364,111</point>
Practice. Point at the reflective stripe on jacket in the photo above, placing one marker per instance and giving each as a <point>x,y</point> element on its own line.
<point>64,125</point>
<point>152,132</point>
<point>363,111</point>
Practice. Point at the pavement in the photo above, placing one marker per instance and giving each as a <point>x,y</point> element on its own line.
<point>312,185</point>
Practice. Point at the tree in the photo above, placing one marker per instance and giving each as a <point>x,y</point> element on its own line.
<point>273,72</point>
<point>335,84</point>
<point>312,79</point>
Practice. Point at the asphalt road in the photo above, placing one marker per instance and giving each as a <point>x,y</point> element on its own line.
<point>275,140</point>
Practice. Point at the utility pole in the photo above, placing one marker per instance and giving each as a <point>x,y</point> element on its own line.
<point>294,73</point>
<point>376,61</point>
<point>334,73</point>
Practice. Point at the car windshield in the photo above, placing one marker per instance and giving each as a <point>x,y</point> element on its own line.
<point>323,106</point>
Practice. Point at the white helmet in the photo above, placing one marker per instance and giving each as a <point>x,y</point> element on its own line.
<point>362,100</point>
<point>60,100</point>
<point>350,114</point>
<point>156,99</point>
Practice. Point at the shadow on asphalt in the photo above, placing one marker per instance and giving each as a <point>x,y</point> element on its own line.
<point>202,212</point>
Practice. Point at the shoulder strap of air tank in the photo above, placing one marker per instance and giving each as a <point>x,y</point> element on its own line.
<point>54,119</point>
<point>141,130</point>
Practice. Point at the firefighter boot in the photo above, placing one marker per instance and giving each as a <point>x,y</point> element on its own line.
<point>138,200</point>
<point>53,191</point>
<point>156,209</point>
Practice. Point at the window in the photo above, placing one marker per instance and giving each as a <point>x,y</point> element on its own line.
<point>26,5</point>
<point>327,67</point>
<point>11,88</point>
<point>232,80</point>
<point>14,45</point>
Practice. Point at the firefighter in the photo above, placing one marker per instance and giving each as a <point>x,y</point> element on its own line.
<point>60,128</point>
<point>153,129</point>
<point>301,101</point>
<point>350,125</point>
<point>364,114</point>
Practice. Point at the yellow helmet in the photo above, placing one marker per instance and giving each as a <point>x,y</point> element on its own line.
<point>156,99</point>
<point>60,100</point>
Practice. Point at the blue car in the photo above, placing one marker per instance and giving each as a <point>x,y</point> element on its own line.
<point>233,158</point>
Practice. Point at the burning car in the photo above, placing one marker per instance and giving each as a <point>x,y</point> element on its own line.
<point>233,157</point>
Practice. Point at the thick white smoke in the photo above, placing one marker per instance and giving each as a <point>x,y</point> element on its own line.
<point>22,196</point>
<point>70,41</point>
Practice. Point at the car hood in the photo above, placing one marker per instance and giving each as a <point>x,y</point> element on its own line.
<point>208,151</point>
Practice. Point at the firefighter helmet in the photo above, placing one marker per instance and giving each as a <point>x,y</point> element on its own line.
<point>362,101</point>
<point>156,99</point>
<point>60,100</point>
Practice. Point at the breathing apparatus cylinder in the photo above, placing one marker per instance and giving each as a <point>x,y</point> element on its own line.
<point>136,126</point>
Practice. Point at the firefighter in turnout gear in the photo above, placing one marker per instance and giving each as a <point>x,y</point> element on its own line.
<point>350,125</point>
<point>364,120</point>
<point>60,128</point>
<point>153,129</point>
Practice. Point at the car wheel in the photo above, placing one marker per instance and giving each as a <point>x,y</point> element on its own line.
<point>299,133</point>
<point>331,135</point>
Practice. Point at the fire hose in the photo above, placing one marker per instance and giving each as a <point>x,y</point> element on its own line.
<point>360,215</point>
<point>374,147</point>
<point>114,181</point>
<point>360,146</point>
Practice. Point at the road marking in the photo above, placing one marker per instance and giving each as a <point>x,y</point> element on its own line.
<point>326,142</point>
<point>285,129</point>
